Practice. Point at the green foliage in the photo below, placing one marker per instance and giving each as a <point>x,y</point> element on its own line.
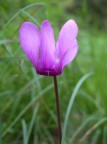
<point>27,103</point>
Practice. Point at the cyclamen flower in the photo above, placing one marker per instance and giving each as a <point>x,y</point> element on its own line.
<point>49,57</point>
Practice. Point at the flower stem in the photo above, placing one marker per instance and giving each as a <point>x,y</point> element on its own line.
<point>58,109</point>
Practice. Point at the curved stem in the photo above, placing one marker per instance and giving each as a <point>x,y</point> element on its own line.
<point>58,109</point>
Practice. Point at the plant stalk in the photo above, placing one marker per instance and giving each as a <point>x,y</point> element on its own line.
<point>58,109</point>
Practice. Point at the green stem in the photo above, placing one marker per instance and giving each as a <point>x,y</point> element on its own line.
<point>58,109</point>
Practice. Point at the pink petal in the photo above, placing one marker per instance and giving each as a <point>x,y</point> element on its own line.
<point>57,52</point>
<point>67,36</point>
<point>70,55</point>
<point>47,47</point>
<point>30,41</point>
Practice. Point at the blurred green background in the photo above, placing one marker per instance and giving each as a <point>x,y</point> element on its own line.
<point>27,103</point>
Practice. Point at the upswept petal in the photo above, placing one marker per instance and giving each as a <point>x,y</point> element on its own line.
<point>70,55</point>
<point>30,41</point>
<point>47,46</point>
<point>67,36</point>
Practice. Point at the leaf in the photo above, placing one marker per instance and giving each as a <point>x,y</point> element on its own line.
<point>21,10</point>
<point>71,102</point>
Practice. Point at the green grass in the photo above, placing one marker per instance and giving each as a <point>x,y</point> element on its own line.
<point>27,103</point>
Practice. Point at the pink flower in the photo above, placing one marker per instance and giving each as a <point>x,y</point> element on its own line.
<point>49,57</point>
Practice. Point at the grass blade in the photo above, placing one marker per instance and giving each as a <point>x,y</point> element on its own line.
<point>24,127</point>
<point>12,59</point>
<point>95,126</point>
<point>95,137</point>
<point>3,41</point>
<point>26,108</point>
<point>89,119</point>
<point>73,96</point>
<point>21,10</point>
<point>32,123</point>
<point>31,17</point>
